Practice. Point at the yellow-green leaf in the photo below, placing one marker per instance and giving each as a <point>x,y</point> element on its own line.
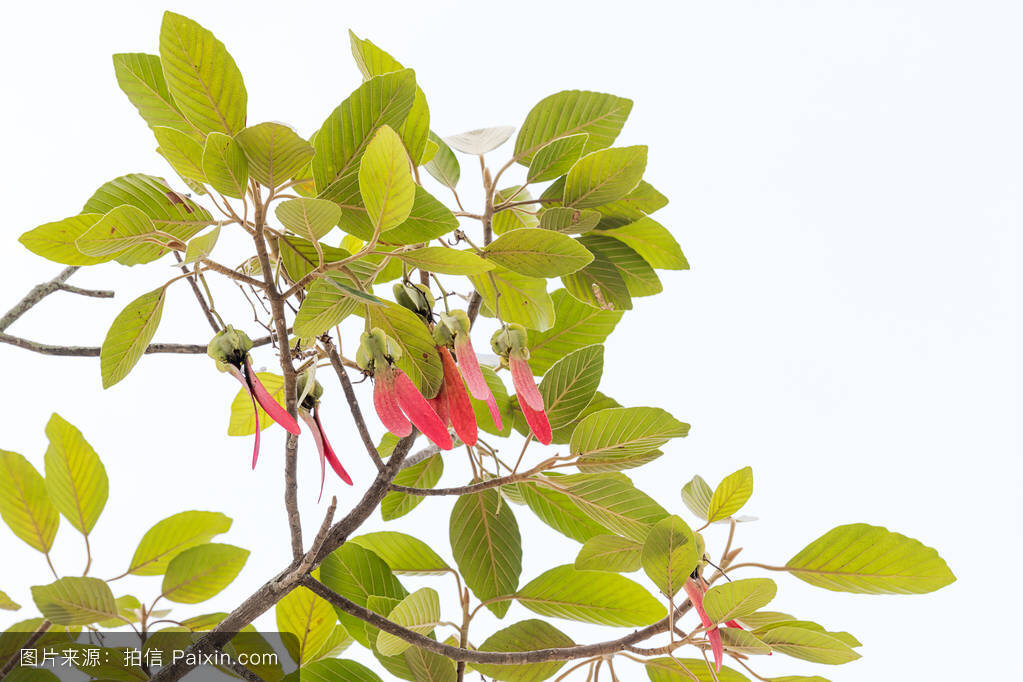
<point>419,357</point>
<point>870,560</point>
<point>591,597</point>
<point>309,218</point>
<point>808,645</point>
<point>444,164</point>
<point>569,386</point>
<point>445,261</point>
<point>625,430</point>
<point>670,553</point>
<point>518,298</point>
<point>423,474</point>
<point>653,242</point>
<point>418,612</point>
<point>671,670</point>
<point>536,252</point>
<point>697,495</point>
<point>129,336</point>
<point>569,220</point>
<point>576,325</point>
<point>403,553</point>
<point>173,535</point>
<point>526,635</point>
<point>140,76</point>
<point>487,547</point>
<point>75,477</point>
<point>731,494</point>
<point>309,618</point>
<point>57,241</point>
<point>738,598</point>
<point>556,158</point>
<point>604,176</point>
<point>202,246</point>
<point>570,112</point>
<point>202,78</point>
<point>182,151</point>
<point>225,165</point>
<point>117,231</point>
<point>24,502</point>
<point>385,180</point>
<point>75,601</point>
<point>202,571</point>
<point>275,153</point>
<point>610,553</point>
<point>6,603</point>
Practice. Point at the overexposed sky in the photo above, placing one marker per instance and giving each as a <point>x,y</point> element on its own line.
<point>844,178</point>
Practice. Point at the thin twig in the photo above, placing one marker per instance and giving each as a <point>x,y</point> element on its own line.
<point>93,351</point>
<point>353,403</point>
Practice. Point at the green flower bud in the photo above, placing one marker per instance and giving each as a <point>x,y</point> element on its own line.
<point>376,346</point>
<point>229,348</point>
<point>457,321</point>
<point>313,394</point>
<point>442,335</point>
<point>415,297</point>
<point>511,338</point>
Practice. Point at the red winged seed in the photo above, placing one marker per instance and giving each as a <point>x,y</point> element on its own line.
<point>385,400</point>
<point>419,411</point>
<point>538,423</point>
<point>695,593</point>
<point>459,408</point>
<point>525,385</point>
<point>267,402</point>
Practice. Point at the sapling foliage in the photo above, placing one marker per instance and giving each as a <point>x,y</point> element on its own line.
<point>481,324</point>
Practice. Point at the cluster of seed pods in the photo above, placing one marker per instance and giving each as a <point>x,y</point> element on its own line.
<point>400,405</point>
<point>230,349</point>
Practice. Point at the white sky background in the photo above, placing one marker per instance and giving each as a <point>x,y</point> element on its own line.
<point>844,178</point>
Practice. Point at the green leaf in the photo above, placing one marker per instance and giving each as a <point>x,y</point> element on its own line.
<point>275,153</point>
<point>639,278</point>
<point>731,494</point>
<point>373,61</point>
<point>309,618</point>
<point>182,151</point>
<point>591,597</point>
<point>653,242</point>
<point>576,325</point>
<point>385,180</point>
<point>444,164</point>
<point>225,165</point>
<point>430,667</point>
<point>625,430</point>
<point>570,112</point>
<point>568,387</point>
<point>604,176</point>
<point>538,253</point>
<point>419,612</point>
<point>140,76</point>
<point>516,217</point>
<point>870,560</point>
<point>201,572</point>
<point>613,502</point>
<point>697,495</point>
<point>129,336</point>
<point>202,78</point>
<point>24,502</point>
<point>610,553</point>
<point>760,619</point>
<point>333,669</point>
<point>600,285</point>
<point>563,434</point>
<point>338,641</point>
<point>243,419</point>
<point>526,635</point>
<point>299,256</point>
<point>423,474</point>
<point>127,608</point>
<point>428,220</point>
<point>419,353</point>
<point>639,202</point>
<point>357,574</point>
<point>518,298</point>
<point>670,670</point>
<point>446,261</point>
<point>738,598</point>
<point>117,231</point>
<point>808,645</point>
<point>556,158</point>
<point>341,141</point>
<point>481,140</point>
<point>743,642</point>
<point>75,601</point>
<point>57,241</point>
<point>309,218</point>
<point>173,535</point>
<point>329,300</point>
<point>6,603</point>
<point>403,553</point>
<point>487,546</point>
<point>75,478</point>
<point>202,246</point>
<point>569,220</point>
<point>670,553</point>
<point>559,511</point>
<point>171,212</point>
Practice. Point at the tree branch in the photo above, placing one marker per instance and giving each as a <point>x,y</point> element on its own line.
<point>198,294</point>
<point>353,403</point>
<point>93,351</point>
<point>33,638</point>
<point>38,293</point>
<point>492,657</point>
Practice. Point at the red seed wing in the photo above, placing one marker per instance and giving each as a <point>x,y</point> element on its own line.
<point>538,423</point>
<point>335,463</point>
<point>419,411</point>
<point>386,402</point>
<point>470,366</point>
<point>459,408</point>
<point>525,385</point>
<point>269,405</point>
<point>318,439</point>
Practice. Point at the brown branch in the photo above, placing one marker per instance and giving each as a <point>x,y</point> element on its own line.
<point>491,657</point>
<point>353,403</point>
<point>284,581</point>
<point>93,351</point>
<point>198,294</point>
<point>38,293</point>
<point>33,638</point>
<point>476,487</point>
<point>424,454</point>
<point>90,293</point>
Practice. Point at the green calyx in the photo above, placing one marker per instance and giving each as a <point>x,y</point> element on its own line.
<point>511,338</point>
<point>415,297</point>
<point>450,326</point>
<point>229,348</point>
<point>376,348</point>
<point>310,394</point>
